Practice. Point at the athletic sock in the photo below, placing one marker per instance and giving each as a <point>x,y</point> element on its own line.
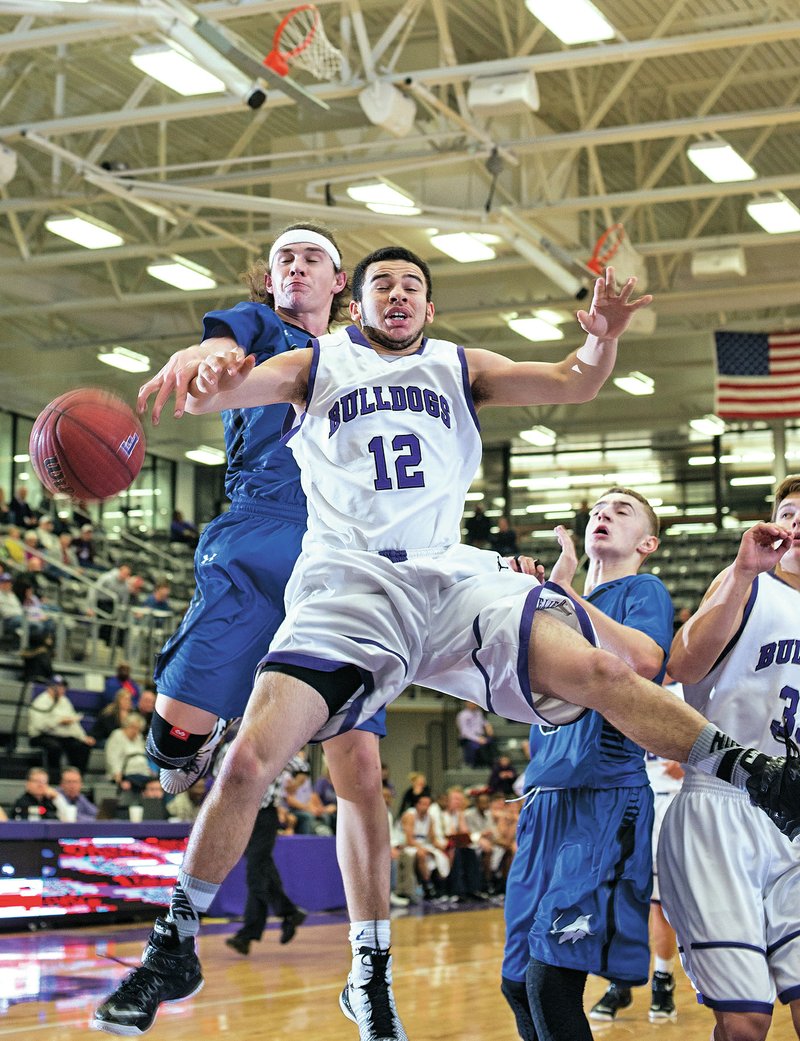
<point>664,965</point>
<point>171,746</point>
<point>374,934</point>
<point>719,755</point>
<point>190,898</point>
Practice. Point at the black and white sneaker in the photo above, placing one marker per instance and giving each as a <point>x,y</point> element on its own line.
<point>662,1004</point>
<point>774,786</point>
<point>612,1001</point>
<point>182,778</point>
<point>370,1005</point>
<point>169,971</point>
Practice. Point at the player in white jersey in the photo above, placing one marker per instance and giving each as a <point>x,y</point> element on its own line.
<point>730,883</point>
<point>421,607</point>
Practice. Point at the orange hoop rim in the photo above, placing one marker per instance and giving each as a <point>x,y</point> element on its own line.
<point>599,257</point>
<point>277,59</point>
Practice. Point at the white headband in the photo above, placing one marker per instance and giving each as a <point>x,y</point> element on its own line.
<point>289,238</point>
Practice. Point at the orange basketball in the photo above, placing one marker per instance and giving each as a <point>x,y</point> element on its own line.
<point>88,444</point>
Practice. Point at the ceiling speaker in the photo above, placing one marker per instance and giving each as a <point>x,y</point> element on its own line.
<point>503,95</point>
<point>385,106</point>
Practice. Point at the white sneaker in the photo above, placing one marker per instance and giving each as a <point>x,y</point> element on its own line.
<point>183,777</point>
<point>369,1002</point>
<point>395,900</point>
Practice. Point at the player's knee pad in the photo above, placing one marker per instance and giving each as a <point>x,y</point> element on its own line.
<point>335,687</point>
<point>516,994</point>
<point>169,746</point>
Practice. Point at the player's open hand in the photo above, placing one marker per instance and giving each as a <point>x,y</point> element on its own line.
<point>762,547</point>
<point>611,309</point>
<point>172,378</point>
<point>222,370</point>
<point>565,567</point>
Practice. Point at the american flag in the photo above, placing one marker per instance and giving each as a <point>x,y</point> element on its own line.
<point>758,375</point>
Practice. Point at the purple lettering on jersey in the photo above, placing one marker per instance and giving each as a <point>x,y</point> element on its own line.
<point>398,396</point>
<point>349,410</point>
<point>380,404</point>
<point>445,410</point>
<point>766,656</point>
<point>431,401</point>
<point>363,407</point>
<point>414,398</point>
<point>334,415</point>
<point>784,652</point>
<point>796,655</point>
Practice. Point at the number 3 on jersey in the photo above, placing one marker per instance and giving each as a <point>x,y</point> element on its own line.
<point>786,725</point>
<point>407,454</point>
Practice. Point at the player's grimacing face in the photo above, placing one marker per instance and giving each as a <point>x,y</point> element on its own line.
<point>393,310</point>
<point>303,279</point>
<point>788,516</point>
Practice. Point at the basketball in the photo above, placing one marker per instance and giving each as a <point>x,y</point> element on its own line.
<point>88,444</point>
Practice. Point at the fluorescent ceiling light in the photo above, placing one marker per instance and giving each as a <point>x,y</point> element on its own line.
<point>182,274</point>
<point>23,457</point>
<point>559,515</point>
<point>207,455</point>
<point>572,21</point>
<point>775,213</point>
<point>383,198</point>
<point>539,435</point>
<point>636,383</point>
<point>473,497</point>
<point>720,162</point>
<point>535,329</point>
<point>176,70</point>
<point>85,231</point>
<point>552,317</point>
<point>539,508</point>
<point>122,358</point>
<point>464,247</point>
<point>744,482</point>
<point>664,511</point>
<point>709,424</point>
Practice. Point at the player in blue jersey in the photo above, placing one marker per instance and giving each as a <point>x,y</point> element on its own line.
<point>205,672</point>
<point>578,893</point>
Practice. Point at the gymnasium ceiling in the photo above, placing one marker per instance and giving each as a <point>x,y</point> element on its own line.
<point>211,179</point>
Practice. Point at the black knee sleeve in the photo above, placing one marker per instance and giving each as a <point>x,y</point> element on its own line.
<point>555,996</point>
<point>335,688</point>
<point>169,746</point>
<point>516,994</point>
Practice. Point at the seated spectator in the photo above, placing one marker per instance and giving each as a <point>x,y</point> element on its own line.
<point>65,554</point>
<point>504,540</point>
<point>45,532</point>
<point>21,512</point>
<point>323,787</point>
<point>495,823</point>
<point>37,801</point>
<point>83,546</point>
<point>5,512</point>
<point>145,706</point>
<point>55,727</point>
<point>110,591</point>
<point>426,847</point>
<point>501,779</point>
<point>34,610</point>
<point>13,546</point>
<point>186,805</point>
<point>299,797</point>
<point>464,879</point>
<point>113,716</point>
<point>152,790</point>
<point>479,528</point>
<point>120,680</point>
<point>10,606</point>
<point>396,843</point>
<point>417,785</point>
<point>31,545</point>
<point>475,735</point>
<point>126,760</point>
<point>181,530</point>
<point>69,795</point>
<point>386,780</point>
<point>158,600</point>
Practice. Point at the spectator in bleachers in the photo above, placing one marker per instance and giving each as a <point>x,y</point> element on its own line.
<point>475,735</point>
<point>69,794</point>
<point>110,590</point>
<point>21,513</point>
<point>158,603</point>
<point>504,540</point>
<point>464,879</point>
<point>299,797</point>
<point>45,532</point>
<point>37,801</point>
<point>386,780</point>
<point>31,545</point>
<point>397,841</point>
<point>38,614</point>
<point>425,846</point>
<point>145,706</point>
<point>152,790</point>
<point>501,779</point>
<point>181,530</point>
<point>5,511</point>
<point>84,547</point>
<point>113,716</point>
<point>478,528</point>
<point>55,727</point>
<point>186,805</point>
<point>126,760</point>
<point>417,785</point>
<point>326,793</point>
<point>13,546</point>
<point>10,606</point>
<point>495,824</point>
<point>121,680</point>
<point>65,554</point>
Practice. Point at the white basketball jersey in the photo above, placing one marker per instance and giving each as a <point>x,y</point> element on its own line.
<point>387,446</point>
<point>753,691</point>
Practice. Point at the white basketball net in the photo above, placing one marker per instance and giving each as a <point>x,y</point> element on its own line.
<point>303,43</point>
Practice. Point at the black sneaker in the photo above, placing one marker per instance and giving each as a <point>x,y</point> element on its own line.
<point>662,1004</point>
<point>371,1005</point>
<point>238,943</point>
<point>774,786</point>
<point>290,923</point>
<point>612,1001</point>
<point>169,971</point>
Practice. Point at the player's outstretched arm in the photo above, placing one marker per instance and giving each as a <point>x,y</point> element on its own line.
<point>228,378</point>
<point>175,376</point>
<point>578,377</point>
<point>701,640</point>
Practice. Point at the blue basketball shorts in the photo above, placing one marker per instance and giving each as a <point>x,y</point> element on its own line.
<point>578,893</point>
<point>242,564</point>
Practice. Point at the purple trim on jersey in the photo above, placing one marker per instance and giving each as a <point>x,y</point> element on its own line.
<point>791,994</point>
<point>359,338</point>
<point>396,556</point>
<point>751,601</point>
<point>784,939</point>
<point>462,357</point>
<point>305,661</point>
<point>735,1006</point>
<point>383,647</point>
<point>580,613</point>
<point>713,945</point>
<point>476,631</point>
<point>312,377</point>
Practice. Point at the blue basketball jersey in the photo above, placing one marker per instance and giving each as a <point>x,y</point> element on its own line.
<point>261,470</point>
<point>591,753</point>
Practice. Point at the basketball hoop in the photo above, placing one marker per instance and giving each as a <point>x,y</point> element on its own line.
<point>300,40</point>
<point>606,248</point>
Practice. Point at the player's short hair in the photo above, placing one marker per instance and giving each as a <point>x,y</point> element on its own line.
<point>378,256</point>
<point>789,486</point>
<point>253,278</point>
<point>652,518</point>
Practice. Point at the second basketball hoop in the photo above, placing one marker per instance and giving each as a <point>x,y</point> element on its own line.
<point>300,41</point>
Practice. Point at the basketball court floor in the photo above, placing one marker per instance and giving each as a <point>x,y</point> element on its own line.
<point>447,967</point>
